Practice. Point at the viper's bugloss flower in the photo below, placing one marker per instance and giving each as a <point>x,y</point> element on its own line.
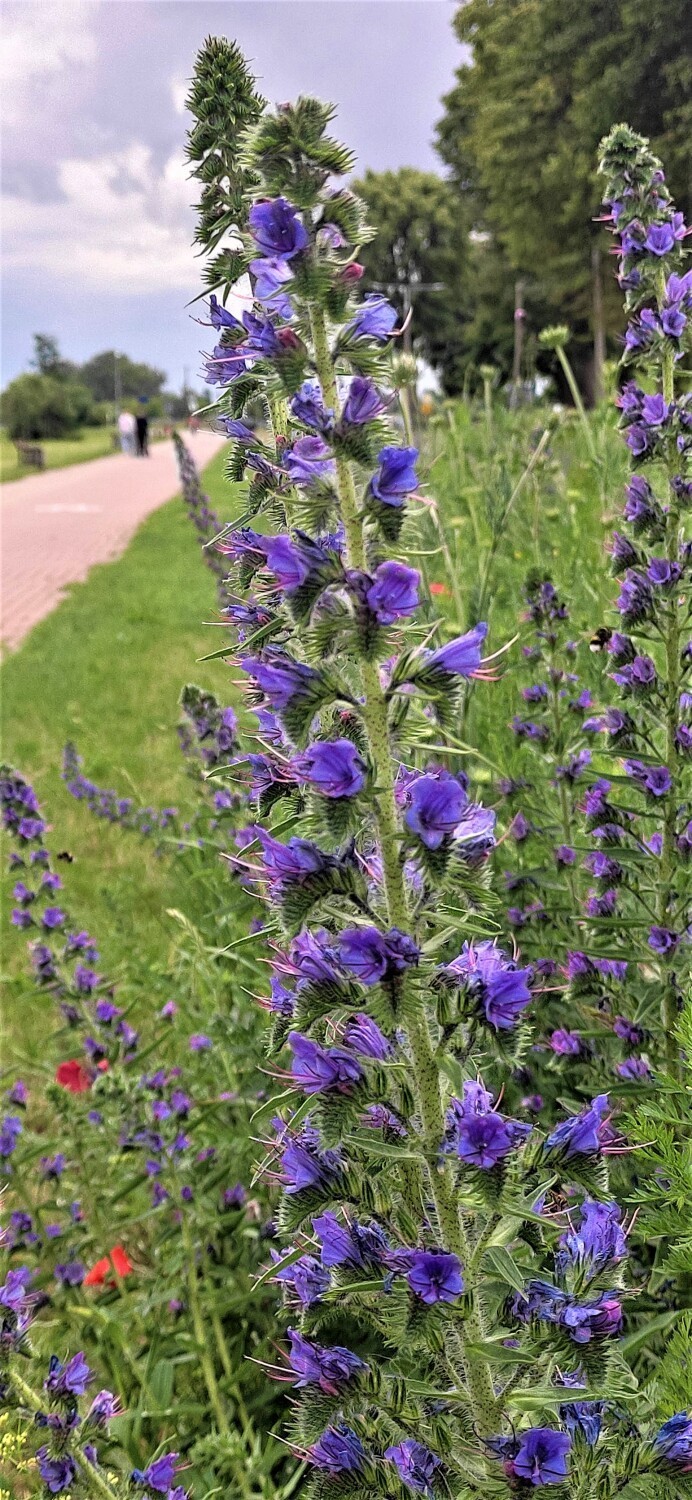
<point>316,1069</point>
<point>434,1275</point>
<point>69,1379</point>
<point>270,276</point>
<point>308,461</point>
<point>662,939</point>
<point>597,1320</point>
<point>596,1240</point>
<point>305,1277</point>
<point>363,403</point>
<point>656,781</point>
<point>541,1457</point>
<point>292,560</point>
<point>370,955</point>
<point>375,319</point>
<point>330,1368</point>
<point>10,1130</point>
<point>363,1035</point>
<point>673,1443</point>
<point>635,599</point>
<point>583,1134</point>
<point>159,1475</point>
<point>494,980</point>
<point>338,1451</point>
<point>58,1471</point>
<point>276,228</point>
<point>304,1165</point>
<point>364,1246</point>
<point>435,805</point>
<point>335,768</point>
<point>281,679</point>
<point>415,1465</point>
<point>293,861</point>
<point>308,407</point>
<point>396,476</point>
<point>460,657</point>
<point>393,593</point>
<point>478,1134</point>
<point>565,1043</point>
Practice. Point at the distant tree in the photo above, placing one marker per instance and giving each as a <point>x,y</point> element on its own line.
<point>544,81</point>
<point>41,406</point>
<point>47,359</point>
<point>419,258</point>
<point>103,377</point>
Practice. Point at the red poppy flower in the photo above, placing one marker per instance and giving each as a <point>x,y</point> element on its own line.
<point>73,1076</point>
<point>439,588</point>
<point>117,1259</point>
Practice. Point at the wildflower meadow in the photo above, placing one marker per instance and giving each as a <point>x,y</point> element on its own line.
<point>374,1179</point>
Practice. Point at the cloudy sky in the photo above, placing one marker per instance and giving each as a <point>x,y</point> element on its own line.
<point>96,210</point>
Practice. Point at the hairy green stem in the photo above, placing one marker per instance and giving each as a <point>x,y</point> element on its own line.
<point>374,712</point>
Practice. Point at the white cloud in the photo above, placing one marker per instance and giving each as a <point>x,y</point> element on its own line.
<point>179,92</point>
<point>120,225</point>
<point>40,41</point>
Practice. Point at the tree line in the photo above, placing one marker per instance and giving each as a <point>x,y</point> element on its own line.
<point>513,219</point>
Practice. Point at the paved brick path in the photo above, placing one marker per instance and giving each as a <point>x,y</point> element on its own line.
<point>56,525</point>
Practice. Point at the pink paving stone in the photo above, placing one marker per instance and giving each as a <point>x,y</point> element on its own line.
<point>56,525</point>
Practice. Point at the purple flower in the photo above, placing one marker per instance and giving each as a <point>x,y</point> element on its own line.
<point>338,1451</point>
<point>462,656</point>
<point>435,806</point>
<point>565,1043</point>
<point>416,1465</point>
<point>199,1042</point>
<point>363,1035</point>
<point>656,781</point>
<point>393,592</point>
<point>304,1166</point>
<point>664,574</point>
<point>281,679</point>
<point>673,1443</point>
<point>541,1456</point>
<point>662,940</point>
<point>635,598</point>
<point>270,275</point>
<point>597,1240</point>
<point>655,410</point>
<point>104,1407</point>
<point>70,1273</point>
<point>361,1246</point>
<point>370,955</point>
<point>71,1379</point>
<point>53,917</point>
<point>581,1134</point>
<point>374,319</point>
<point>396,476</point>
<point>363,403</point>
<point>292,561</point>
<point>435,1276</point>
<point>57,1473</point>
<point>293,861</point>
<point>308,461</point>
<point>661,237</point>
<point>308,407</point>
<point>479,1135</point>
<point>633,1068</point>
<point>276,228</point>
<point>307,1278</point>
<point>329,1368</point>
<point>600,1319</point>
<point>316,1068</point>
<point>333,767</point>
<point>494,980</point>
<point>159,1475</point>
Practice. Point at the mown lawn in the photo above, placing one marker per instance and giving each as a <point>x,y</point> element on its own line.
<point>105,671</point>
<point>86,443</point>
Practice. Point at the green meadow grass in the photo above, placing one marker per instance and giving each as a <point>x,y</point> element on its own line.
<point>85,444</point>
<point>105,670</point>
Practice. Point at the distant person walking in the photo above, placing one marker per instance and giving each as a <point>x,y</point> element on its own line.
<point>126,431</point>
<point>142,433</point>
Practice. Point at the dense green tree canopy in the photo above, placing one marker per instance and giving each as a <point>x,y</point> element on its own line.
<point>543,81</point>
<point>110,372</point>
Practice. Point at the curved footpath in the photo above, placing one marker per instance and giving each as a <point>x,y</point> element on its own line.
<point>56,525</point>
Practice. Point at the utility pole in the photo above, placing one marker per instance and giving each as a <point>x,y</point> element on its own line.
<point>519,327</point>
